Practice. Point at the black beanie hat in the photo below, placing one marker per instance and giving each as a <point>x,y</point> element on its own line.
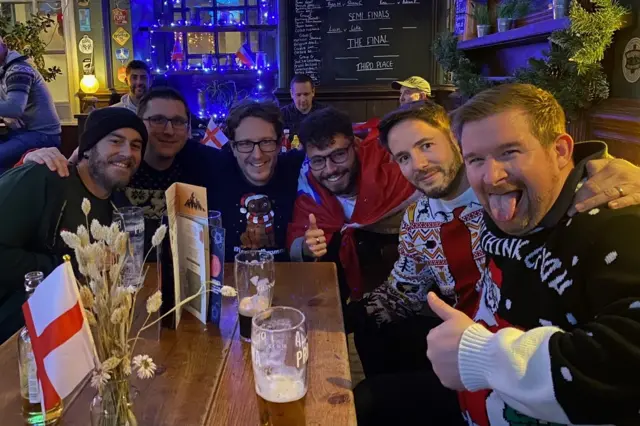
<point>103,121</point>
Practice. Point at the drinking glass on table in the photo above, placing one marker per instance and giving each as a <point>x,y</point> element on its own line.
<point>131,221</point>
<point>279,355</point>
<point>255,277</point>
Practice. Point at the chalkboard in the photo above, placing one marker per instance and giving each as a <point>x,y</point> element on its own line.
<point>360,42</point>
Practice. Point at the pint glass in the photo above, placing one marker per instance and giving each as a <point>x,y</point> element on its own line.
<point>255,278</point>
<point>279,354</point>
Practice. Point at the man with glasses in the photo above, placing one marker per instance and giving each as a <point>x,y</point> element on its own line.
<point>350,204</point>
<point>256,193</point>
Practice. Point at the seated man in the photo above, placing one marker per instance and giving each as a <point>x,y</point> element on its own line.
<point>556,333</point>
<point>26,107</point>
<point>350,203</point>
<point>39,203</point>
<point>302,94</point>
<point>440,249</point>
<point>256,190</point>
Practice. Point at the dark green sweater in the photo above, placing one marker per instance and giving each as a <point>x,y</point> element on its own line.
<point>36,205</point>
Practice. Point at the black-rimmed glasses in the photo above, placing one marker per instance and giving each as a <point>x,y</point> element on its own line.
<point>247,147</point>
<point>339,156</point>
<point>160,122</point>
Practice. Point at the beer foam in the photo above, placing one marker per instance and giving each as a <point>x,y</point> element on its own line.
<point>280,388</point>
<point>249,306</point>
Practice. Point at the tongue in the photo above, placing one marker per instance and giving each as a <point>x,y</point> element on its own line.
<point>503,207</point>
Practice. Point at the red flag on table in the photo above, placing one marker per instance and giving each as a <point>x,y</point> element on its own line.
<point>214,136</point>
<point>61,339</point>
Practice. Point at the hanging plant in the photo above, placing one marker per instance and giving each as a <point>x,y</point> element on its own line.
<point>571,71</point>
<point>24,37</point>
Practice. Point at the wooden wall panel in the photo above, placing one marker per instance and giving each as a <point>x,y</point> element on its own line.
<point>617,122</point>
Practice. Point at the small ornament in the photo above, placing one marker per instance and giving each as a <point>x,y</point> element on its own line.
<point>120,16</point>
<point>84,19</point>
<point>122,74</point>
<point>121,36</point>
<point>86,45</point>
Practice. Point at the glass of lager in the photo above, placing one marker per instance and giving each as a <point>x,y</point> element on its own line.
<point>255,278</point>
<point>279,354</point>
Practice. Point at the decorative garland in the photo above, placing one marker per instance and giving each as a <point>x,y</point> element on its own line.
<point>572,71</point>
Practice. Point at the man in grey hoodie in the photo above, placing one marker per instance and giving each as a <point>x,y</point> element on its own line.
<point>26,108</point>
<point>139,81</point>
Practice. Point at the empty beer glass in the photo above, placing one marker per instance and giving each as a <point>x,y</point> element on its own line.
<point>279,354</point>
<point>255,277</point>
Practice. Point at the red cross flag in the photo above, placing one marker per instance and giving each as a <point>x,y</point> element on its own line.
<point>61,339</point>
<point>213,136</point>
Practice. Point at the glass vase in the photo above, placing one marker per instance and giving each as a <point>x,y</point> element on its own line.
<point>114,406</point>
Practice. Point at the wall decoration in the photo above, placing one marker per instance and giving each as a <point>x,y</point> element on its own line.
<point>123,54</point>
<point>86,45</point>
<point>120,16</point>
<point>122,74</point>
<point>84,18</point>
<point>87,66</point>
<point>83,3</point>
<point>631,60</point>
<point>121,36</point>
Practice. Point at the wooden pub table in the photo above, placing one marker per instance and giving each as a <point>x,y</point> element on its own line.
<point>204,372</point>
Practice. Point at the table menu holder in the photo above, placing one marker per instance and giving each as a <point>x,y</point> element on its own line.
<point>185,253</point>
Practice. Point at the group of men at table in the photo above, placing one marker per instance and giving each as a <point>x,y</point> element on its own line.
<point>516,270</point>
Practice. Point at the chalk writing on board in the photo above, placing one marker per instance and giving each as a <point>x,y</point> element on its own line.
<point>347,42</point>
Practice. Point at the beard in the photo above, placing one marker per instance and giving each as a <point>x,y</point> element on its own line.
<point>98,169</point>
<point>451,176</point>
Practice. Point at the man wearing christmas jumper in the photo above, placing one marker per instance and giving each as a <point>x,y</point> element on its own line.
<point>560,338</point>
<point>440,236</point>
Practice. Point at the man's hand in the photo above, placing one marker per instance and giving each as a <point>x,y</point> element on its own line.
<point>315,244</point>
<point>13,123</point>
<point>55,161</point>
<point>444,340</point>
<point>613,182</point>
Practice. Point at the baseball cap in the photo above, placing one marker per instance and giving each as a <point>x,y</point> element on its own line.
<point>414,82</point>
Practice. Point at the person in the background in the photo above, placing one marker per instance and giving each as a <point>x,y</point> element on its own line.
<point>302,94</point>
<point>39,204</point>
<point>26,108</point>
<point>412,89</point>
<point>139,81</point>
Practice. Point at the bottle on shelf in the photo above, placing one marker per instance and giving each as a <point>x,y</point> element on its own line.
<point>177,54</point>
<point>29,388</point>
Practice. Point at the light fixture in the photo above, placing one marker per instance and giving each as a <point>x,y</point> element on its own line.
<point>89,83</point>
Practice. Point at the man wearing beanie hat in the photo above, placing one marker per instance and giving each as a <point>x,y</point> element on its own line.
<point>39,204</point>
<point>412,89</point>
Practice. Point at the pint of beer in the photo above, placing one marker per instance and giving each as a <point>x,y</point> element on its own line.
<point>255,278</point>
<point>279,354</point>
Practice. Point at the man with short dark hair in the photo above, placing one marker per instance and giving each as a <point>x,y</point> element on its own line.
<point>302,93</point>
<point>139,81</point>
<point>558,340</point>
<point>350,203</point>
<point>39,203</point>
<point>412,89</point>
<point>26,108</point>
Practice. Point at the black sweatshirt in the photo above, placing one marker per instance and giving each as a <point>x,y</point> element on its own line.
<point>566,301</point>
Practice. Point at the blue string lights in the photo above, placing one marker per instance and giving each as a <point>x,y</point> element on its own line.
<point>181,67</point>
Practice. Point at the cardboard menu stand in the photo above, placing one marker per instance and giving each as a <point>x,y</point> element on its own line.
<point>184,254</point>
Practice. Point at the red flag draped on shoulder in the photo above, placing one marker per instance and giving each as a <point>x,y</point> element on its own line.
<point>61,339</point>
<point>382,192</point>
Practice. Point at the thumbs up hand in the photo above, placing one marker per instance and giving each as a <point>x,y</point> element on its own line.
<point>443,342</point>
<point>315,244</point>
